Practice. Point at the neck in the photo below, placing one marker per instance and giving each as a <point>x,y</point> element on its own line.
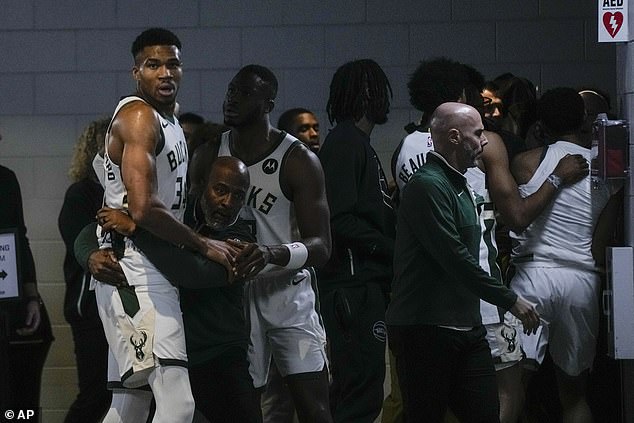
<point>252,140</point>
<point>165,110</point>
<point>365,125</point>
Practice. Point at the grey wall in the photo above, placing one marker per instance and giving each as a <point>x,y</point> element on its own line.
<point>65,62</point>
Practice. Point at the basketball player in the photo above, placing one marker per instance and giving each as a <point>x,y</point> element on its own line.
<point>145,167</point>
<point>287,208</point>
<point>555,266</point>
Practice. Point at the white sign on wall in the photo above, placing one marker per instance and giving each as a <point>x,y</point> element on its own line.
<point>9,287</point>
<point>613,25</point>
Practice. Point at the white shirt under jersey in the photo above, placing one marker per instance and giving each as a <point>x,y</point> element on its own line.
<point>171,176</point>
<point>414,149</point>
<point>488,247</point>
<point>272,213</point>
<point>562,233</point>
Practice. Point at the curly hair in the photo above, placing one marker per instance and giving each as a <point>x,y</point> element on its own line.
<point>437,81</point>
<point>89,143</point>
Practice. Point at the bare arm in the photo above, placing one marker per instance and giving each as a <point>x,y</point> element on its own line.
<point>518,212</point>
<point>134,137</point>
<point>305,186</point>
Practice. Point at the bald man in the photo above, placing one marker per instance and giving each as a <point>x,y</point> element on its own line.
<point>434,324</point>
<point>215,329</point>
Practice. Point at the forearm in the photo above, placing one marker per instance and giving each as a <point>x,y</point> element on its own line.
<point>518,212</point>
<point>85,244</point>
<point>356,233</point>
<point>180,266</point>
<point>318,253</point>
<point>160,222</point>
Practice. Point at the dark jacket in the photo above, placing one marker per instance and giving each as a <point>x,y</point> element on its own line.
<point>361,214</point>
<point>81,202</point>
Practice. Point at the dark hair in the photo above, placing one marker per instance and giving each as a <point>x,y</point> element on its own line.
<point>190,117</point>
<point>266,75</point>
<point>154,37</point>
<point>357,88</point>
<point>474,87</point>
<point>519,99</point>
<point>286,119</point>
<point>561,111</point>
<point>434,82</point>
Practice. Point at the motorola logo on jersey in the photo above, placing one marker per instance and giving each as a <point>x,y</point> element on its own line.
<point>269,166</point>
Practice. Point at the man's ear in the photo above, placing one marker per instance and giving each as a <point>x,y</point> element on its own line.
<point>453,135</point>
<point>136,73</point>
<point>269,106</point>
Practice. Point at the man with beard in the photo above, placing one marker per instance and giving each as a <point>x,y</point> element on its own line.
<point>355,282</point>
<point>215,328</point>
<point>287,209</point>
<point>434,322</point>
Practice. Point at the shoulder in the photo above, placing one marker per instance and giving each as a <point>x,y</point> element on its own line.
<point>134,113</point>
<point>524,164</point>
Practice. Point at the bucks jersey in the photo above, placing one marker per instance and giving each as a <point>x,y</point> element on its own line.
<point>411,156</point>
<point>488,248</point>
<point>171,167</point>
<point>562,233</point>
<point>270,212</point>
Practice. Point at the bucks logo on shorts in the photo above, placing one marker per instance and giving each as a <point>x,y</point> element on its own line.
<point>138,341</point>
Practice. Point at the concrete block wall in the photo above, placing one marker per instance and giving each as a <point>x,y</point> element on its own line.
<point>65,62</point>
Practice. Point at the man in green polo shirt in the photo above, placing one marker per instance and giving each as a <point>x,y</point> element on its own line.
<point>434,324</point>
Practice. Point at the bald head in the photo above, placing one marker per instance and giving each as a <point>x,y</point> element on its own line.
<point>457,131</point>
<point>226,191</point>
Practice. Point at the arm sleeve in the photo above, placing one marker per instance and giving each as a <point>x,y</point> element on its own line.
<point>442,240</point>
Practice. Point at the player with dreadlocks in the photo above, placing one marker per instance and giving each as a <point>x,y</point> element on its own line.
<point>355,282</point>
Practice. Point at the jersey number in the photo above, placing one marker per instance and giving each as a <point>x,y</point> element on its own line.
<point>180,196</point>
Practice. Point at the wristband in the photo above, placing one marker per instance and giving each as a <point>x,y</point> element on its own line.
<point>298,255</point>
<point>554,180</point>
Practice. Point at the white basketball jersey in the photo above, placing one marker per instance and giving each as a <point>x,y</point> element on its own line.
<point>272,214</point>
<point>414,149</point>
<point>171,172</point>
<point>562,233</point>
<point>488,247</point>
<point>171,168</point>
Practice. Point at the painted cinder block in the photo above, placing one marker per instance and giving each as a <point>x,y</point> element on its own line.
<point>386,44</point>
<point>432,40</point>
<point>241,13</point>
<point>75,93</point>
<point>37,51</point>
<point>324,12</point>
<point>552,41</point>
<point>286,46</point>
<point>420,11</point>
<point>73,14</point>
<point>488,11</point>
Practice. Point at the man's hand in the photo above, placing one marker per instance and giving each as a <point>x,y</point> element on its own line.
<point>572,168</point>
<point>526,312</point>
<point>103,265</point>
<point>33,319</point>
<point>117,220</point>
<point>251,259</point>
<point>223,253</point>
